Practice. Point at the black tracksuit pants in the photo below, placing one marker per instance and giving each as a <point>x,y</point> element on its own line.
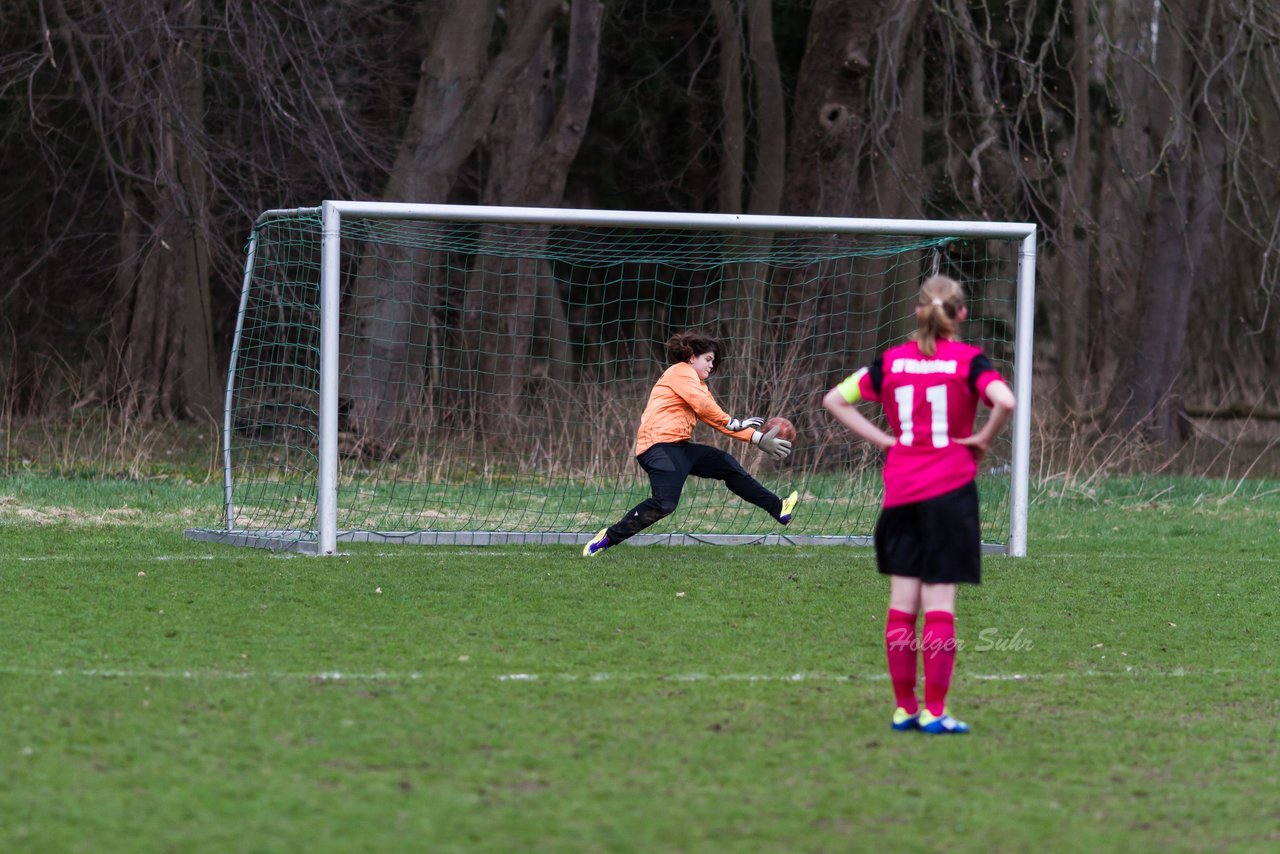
<point>669,466</point>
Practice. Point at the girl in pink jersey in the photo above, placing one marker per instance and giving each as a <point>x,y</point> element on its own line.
<point>927,538</point>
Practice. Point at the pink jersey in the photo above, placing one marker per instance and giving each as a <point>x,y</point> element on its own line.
<point>928,401</point>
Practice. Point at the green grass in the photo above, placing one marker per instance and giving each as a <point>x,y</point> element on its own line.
<point>166,695</point>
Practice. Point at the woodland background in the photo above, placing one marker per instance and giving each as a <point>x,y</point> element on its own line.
<point>139,139</point>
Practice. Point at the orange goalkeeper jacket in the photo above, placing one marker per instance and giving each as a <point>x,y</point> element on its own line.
<point>678,401</point>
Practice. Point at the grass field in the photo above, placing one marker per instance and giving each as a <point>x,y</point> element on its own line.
<point>166,695</point>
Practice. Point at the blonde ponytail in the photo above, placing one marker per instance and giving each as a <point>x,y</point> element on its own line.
<point>941,299</point>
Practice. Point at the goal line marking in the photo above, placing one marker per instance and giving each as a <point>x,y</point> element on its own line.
<point>418,676</point>
<point>437,551</point>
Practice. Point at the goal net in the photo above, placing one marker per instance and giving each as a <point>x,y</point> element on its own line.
<point>474,375</point>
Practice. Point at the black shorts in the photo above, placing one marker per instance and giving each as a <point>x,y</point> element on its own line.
<point>938,540</point>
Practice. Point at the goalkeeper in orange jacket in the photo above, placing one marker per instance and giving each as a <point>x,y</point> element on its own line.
<point>664,449</point>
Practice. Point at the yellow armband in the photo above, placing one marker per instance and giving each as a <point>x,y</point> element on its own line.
<point>849,389</point>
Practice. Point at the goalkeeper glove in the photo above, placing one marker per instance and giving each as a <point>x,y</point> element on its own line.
<point>736,424</point>
<point>769,442</point>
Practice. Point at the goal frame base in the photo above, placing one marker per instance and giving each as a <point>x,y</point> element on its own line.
<point>305,542</point>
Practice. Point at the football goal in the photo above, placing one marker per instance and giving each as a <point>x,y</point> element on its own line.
<point>471,375</point>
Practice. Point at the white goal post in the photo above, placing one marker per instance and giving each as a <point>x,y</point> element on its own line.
<point>472,375</point>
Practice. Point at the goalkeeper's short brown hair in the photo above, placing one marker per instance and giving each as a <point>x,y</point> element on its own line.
<point>683,346</point>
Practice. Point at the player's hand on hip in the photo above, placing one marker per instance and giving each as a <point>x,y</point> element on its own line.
<point>976,446</point>
<point>736,424</point>
<point>769,442</point>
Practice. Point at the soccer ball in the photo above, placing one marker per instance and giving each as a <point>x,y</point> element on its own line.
<point>786,430</point>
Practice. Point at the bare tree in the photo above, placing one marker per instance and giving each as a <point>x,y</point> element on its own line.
<point>461,84</point>
<point>1075,236</point>
<point>153,132</point>
<point>745,29</point>
<point>539,125</point>
<point>1139,136</point>
<point>829,139</point>
<point>137,73</point>
<point>898,172</point>
<point>854,57</point>
<point>1172,238</point>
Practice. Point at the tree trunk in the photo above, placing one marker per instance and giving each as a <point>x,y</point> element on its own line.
<point>159,351</point>
<point>831,138</point>
<point>1145,396</point>
<point>1076,232</point>
<point>458,92</point>
<point>733,120</point>
<point>531,145</point>
<point>199,375</point>
<point>828,136</point>
<point>770,111</point>
<point>746,285</point>
<point>898,170</point>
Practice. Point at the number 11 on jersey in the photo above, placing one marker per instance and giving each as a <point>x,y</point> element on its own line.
<point>936,397</point>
